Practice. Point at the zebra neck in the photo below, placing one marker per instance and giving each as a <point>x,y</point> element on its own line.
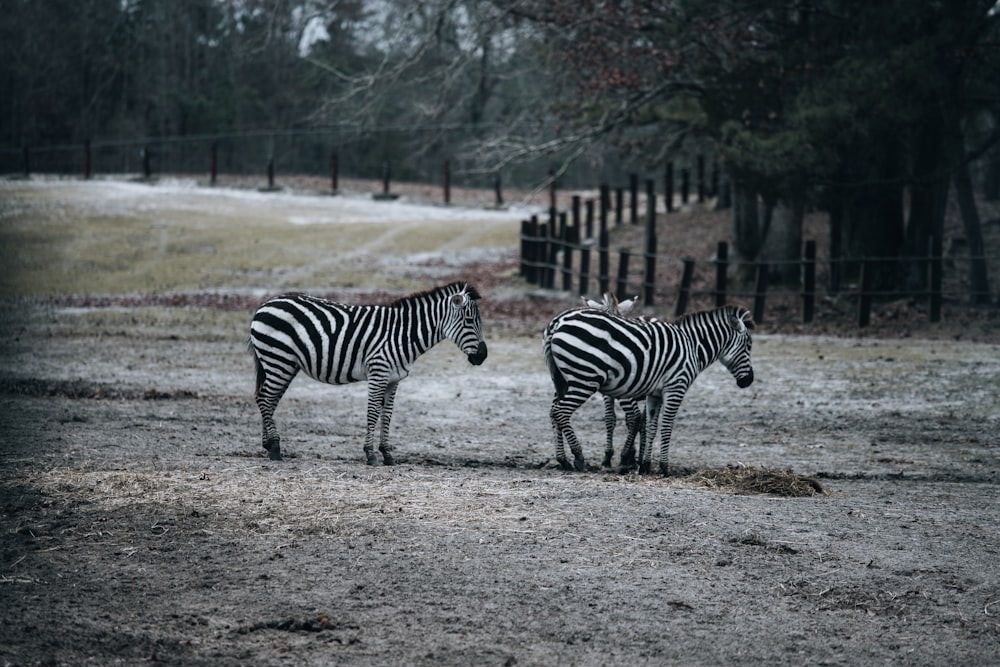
<point>706,348</point>
<point>420,325</point>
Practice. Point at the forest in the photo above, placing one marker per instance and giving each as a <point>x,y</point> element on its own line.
<point>874,113</point>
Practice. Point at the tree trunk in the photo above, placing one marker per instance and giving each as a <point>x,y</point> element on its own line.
<point>750,228</point>
<point>979,284</point>
<point>783,246</point>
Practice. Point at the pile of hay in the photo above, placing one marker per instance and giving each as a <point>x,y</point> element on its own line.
<point>751,480</point>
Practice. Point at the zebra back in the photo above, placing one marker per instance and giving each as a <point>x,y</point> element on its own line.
<point>627,357</point>
<point>340,343</point>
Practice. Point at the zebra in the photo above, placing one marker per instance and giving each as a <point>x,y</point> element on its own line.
<point>633,358</point>
<point>338,343</point>
<point>634,418</point>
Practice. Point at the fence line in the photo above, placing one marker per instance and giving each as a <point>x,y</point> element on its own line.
<point>543,254</point>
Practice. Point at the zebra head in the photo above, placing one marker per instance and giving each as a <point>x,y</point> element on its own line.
<point>463,325</point>
<point>736,351</point>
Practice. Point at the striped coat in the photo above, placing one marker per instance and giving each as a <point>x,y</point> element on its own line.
<point>339,343</point>
<point>594,351</point>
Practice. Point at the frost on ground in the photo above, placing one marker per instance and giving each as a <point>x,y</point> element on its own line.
<point>142,522</point>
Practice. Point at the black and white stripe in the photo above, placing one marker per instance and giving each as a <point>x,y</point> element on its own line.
<point>339,343</point>
<point>593,351</point>
<point>634,418</point>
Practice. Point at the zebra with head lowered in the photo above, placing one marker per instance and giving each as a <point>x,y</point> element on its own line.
<point>594,351</point>
<point>634,419</point>
<point>339,343</point>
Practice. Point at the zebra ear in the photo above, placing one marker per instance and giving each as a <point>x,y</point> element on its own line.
<point>625,306</point>
<point>742,320</point>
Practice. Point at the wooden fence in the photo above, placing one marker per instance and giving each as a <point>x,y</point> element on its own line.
<point>557,254</point>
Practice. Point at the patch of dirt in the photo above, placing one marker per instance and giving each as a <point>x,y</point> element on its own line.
<point>841,510</point>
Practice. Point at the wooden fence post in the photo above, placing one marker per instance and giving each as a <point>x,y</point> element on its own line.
<point>864,293</point>
<point>386,177</point>
<point>529,229</point>
<point>568,234</point>
<point>588,218</point>
<point>685,290</point>
<point>621,288</point>
<point>760,291</point>
<point>649,275</point>
<point>809,282</point>
<point>575,210</point>
<point>533,251</point>
<point>86,159</point>
<point>147,171</point>
<point>603,259</point>
<point>213,163</point>
<point>701,179</point>
<point>721,268</point>
<point>447,182</point>
<point>633,191</point>
<point>935,278</point>
<point>685,184</point>
<point>498,190</point>
<point>543,252</point>
<point>334,173</point>
<point>584,266</point>
<point>619,204</point>
<point>270,172</point>
<point>668,187</point>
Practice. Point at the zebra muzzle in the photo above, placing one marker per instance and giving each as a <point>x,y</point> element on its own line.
<point>479,356</point>
<point>745,381</point>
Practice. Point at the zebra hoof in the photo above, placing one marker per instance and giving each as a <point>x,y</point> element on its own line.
<point>273,450</point>
<point>565,464</point>
<point>607,462</point>
<point>664,470</point>
<point>373,460</point>
<point>580,465</point>
<point>644,468</point>
<point>388,460</point>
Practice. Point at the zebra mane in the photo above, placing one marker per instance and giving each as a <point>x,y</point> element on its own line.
<point>450,288</point>
<point>738,311</point>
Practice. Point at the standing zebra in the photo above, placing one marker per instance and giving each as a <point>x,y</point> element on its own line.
<point>338,343</point>
<point>633,415</point>
<point>594,351</point>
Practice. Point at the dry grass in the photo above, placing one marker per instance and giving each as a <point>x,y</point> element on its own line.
<point>751,480</point>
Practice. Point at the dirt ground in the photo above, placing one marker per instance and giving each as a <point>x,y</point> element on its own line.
<point>141,522</point>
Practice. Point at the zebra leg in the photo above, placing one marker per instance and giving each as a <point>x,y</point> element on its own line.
<point>634,421</point>
<point>562,409</point>
<point>671,405</point>
<point>376,403</point>
<point>560,444</point>
<point>609,425</point>
<point>269,390</point>
<point>653,405</point>
<point>387,403</point>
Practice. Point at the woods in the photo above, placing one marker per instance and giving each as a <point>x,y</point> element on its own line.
<point>871,112</point>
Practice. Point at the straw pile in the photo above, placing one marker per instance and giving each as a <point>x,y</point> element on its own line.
<point>751,480</point>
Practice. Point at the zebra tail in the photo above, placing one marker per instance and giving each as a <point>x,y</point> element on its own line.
<point>558,379</point>
<point>257,365</point>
